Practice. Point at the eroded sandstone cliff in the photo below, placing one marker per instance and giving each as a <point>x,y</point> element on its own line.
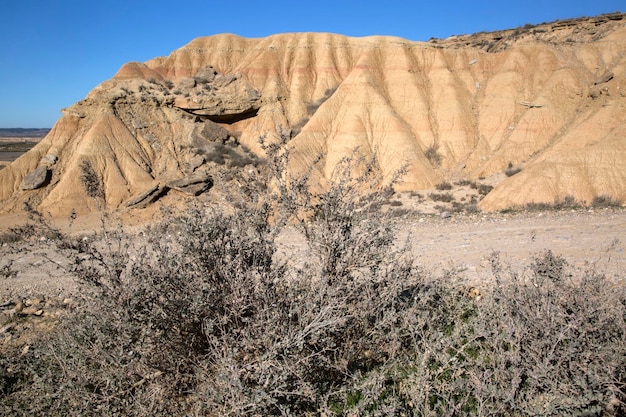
<point>549,99</point>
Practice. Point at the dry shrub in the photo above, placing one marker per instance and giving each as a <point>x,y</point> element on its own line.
<point>484,189</point>
<point>204,317</point>
<point>603,201</point>
<point>443,197</point>
<point>442,186</point>
<point>464,182</point>
<point>510,171</point>
<point>432,154</point>
<point>91,182</point>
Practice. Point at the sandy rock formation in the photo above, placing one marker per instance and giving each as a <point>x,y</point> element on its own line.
<point>550,99</point>
<point>142,134</point>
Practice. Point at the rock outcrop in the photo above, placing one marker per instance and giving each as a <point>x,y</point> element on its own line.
<point>550,99</point>
<point>194,184</point>
<point>38,178</point>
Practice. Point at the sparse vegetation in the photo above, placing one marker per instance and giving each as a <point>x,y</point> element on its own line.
<point>230,155</point>
<point>311,108</point>
<point>569,203</point>
<point>415,194</point>
<point>442,186</point>
<point>432,154</point>
<point>512,170</point>
<point>484,189</point>
<point>466,207</point>
<point>465,182</point>
<point>603,201</point>
<point>205,317</point>
<point>443,197</point>
<point>92,184</point>
<point>11,236</point>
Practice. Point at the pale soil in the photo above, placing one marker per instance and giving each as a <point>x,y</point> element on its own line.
<point>460,245</point>
<point>586,239</point>
<point>464,243</point>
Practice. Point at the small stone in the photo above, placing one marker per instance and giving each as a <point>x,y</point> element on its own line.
<point>49,159</point>
<point>32,311</point>
<point>33,302</point>
<point>445,215</point>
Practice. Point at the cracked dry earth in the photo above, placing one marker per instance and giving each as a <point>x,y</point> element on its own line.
<point>36,288</point>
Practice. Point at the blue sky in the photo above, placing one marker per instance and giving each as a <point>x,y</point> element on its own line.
<point>55,51</point>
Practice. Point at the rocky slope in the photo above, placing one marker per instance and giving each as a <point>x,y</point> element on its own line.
<point>547,100</point>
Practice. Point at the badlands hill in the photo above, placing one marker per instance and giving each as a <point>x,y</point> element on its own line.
<point>549,100</point>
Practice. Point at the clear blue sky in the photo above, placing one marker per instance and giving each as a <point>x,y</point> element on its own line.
<point>53,52</point>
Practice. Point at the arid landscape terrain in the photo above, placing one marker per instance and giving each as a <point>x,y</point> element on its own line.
<point>486,187</point>
<point>545,103</point>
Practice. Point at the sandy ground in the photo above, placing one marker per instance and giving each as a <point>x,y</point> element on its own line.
<point>585,239</point>
<point>36,286</point>
<point>464,243</point>
<point>461,243</point>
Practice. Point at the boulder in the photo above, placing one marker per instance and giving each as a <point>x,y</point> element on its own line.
<point>36,179</point>
<point>224,98</point>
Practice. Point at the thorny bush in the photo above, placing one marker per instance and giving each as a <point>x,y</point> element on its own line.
<point>206,317</point>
